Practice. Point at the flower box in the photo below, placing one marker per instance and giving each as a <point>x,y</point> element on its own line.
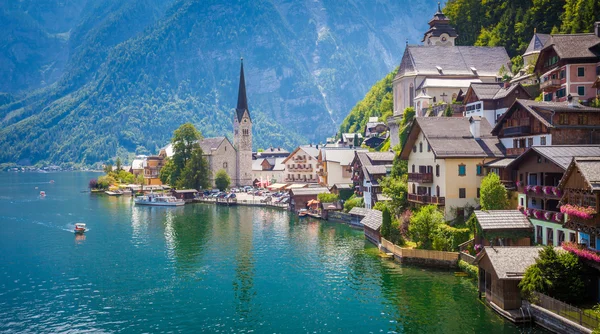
<point>583,253</point>
<point>556,191</point>
<point>537,189</point>
<point>548,215</point>
<point>578,211</point>
<point>537,214</point>
<point>547,190</point>
<point>519,183</point>
<point>529,212</point>
<point>558,217</point>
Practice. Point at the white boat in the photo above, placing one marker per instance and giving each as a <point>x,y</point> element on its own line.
<point>158,200</point>
<point>114,193</point>
<point>80,228</point>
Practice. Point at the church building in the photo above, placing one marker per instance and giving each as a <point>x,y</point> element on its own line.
<point>235,158</point>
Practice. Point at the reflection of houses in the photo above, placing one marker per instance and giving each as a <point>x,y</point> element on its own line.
<point>268,169</point>
<point>580,186</point>
<point>538,172</point>
<point>491,100</point>
<point>528,123</point>
<point>299,197</point>
<point>445,157</point>
<point>437,71</point>
<point>301,165</point>
<point>500,271</point>
<point>368,169</point>
<point>503,228</point>
<point>569,65</point>
<point>334,165</point>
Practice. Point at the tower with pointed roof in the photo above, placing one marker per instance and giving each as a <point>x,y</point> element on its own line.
<point>440,31</point>
<point>242,135</point>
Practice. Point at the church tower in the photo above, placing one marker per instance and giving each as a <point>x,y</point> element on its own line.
<point>440,31</point>
<point>242,135</point>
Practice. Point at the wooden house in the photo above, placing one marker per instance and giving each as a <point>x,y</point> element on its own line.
<point>185,194</point>
<point>500,271</point>
<point>372,226</point>
<point>299,197</point>
<point>503,228</point>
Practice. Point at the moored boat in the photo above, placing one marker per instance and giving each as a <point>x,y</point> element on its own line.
<point>42,193</point>
<point>302,213</point>
<point>114,193</point>
<point>158,200</point>
<point>80,228</point>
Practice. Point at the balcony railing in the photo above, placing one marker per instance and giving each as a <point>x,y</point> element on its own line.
<point>517,130</point>
<point>515,151</point>
<point>426,199</point>
<point>550,84</point>
<point>540,191</point>
<point>550,216</point>
<point>420,177</point>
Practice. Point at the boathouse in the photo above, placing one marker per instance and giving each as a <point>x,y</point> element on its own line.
<point>503,228</point>
<point>372,225</point>
<point>299,197</point>
<point>500,271</point>
<point>185,194</point>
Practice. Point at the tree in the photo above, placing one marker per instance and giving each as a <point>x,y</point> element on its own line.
<point>107,169</point>
<point>222,180</point>
<point>327,198</point>
<point>386,223</point>
<point>141,180</point>
<point>118,163</point>
<point>185,140</point>
<point>559,274</point>
<point>196,173</point>
<point>448,112</point>
<point>93,184</point>
<point>356,140</point>
<point>166,172</point>
<point>353,202</point>
<point>424,224</point>
<point>493,194</point>
<point>395,188</point>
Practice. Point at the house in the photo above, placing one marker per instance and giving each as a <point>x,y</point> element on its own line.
<point>301,165</point>
<point>357,214</point>
<point>299,197</point>
<point>368,168</point>
<point>445,158</point>
<point>374,128</point>
<point>491,100</point>
<point>580,187</point>
<point>436,72</point>
<point>350,140</point>
<point>137,165</point>
<point>503,228</point>
<point>185,194</point>
<point>272,152</point>
<point>334,165</point>
<point>526,74</point>
<point>500,271</point>
<point>530,123</point>
<point>372,226</point>
<point>537,173</point>
<point>152,165</point>
<point>343,190</point>
<point>269,170</point>
<point>569,65</point>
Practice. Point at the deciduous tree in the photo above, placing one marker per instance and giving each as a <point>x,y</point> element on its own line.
<point>493,194</point>
<point>222,180</point>
<point>424,224</point>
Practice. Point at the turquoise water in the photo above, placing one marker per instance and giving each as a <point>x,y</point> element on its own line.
<point>202,268</point>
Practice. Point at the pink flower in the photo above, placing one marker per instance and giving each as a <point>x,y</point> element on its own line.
<point>583,253</point>
<point>578,211</point>
<point>558,217</point>
<point>548,215</point>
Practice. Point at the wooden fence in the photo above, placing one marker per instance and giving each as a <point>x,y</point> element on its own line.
<point>419,253</point>
<point>587,319</point>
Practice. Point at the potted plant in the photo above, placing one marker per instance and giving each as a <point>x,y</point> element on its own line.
<point>558,217</point>
<point>578,211</point>
<point>556,191</point>
<point>537,214</point>
<point>548,215</point>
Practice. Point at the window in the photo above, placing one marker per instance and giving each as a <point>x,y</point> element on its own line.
<point>563,119</point>
<point>561,92</point>
<point>414,188</point>
<point>462,193</point>
<point>538,234</point>
<point>529,142</point>
<point>420,147</point>
<point>479,170</point>
<point>522,200</point>
<point>562,74</point>
<point>437,170</point>
<point>225,165</point>
<point>581,90</point>
<point>549,236</point>
<point>561,237</point>
<point>437,191</point>
<point>478,192</point>
<point>572,237</point>
<point>548,97</point>
<point>582,119</point>
<point>580,71</point>
<point>543,140</point>
<point>462,170</point>
<point>413,168</point>
<point>553,76</point>
<point>428,147</point>
<point>414,148</point>
<point>597,70</point>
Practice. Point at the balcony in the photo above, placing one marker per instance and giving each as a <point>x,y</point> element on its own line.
<point>509,185</point>
<point>299,158</point>
<point>515,151</point>
<point>426,199</point>
<point>517,130</point>
<point>540,191</point>
<point>420,177</point>
<point>550,85</point>
<point>549,216</point>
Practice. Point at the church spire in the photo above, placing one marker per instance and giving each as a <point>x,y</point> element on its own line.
<point>242,103</point>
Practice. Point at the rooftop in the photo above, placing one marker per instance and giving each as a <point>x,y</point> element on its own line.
<point>309,191</point>
<point>372,220</point>
<point>510,263</point>
<point>359,211</point>
<point>502,220</point>
<point>561,155</point>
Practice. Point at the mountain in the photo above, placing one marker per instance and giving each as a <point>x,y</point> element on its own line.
<point>115,77</point>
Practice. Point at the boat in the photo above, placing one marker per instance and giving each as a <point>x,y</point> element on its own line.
<point>42,193</point>
<point>302,213</point>
<point>158,200</point>
<point>80,228</point>
<point>114,193</point>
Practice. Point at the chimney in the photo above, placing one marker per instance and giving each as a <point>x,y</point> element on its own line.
<point>573,101</point>
<point>597,28</point>
<point>475,126</point>
<point>506,84</point>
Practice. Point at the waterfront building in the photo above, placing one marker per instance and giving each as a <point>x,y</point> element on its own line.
<point>491,100</point>
<point>301,165</point>
<point>137,165</point>
<point>446,156</point>
<point>372,226</point>
<point>530,123</point>
<point>537,174</point>
<point>569,64</point>
<point>334,165</point>
<point>368,168</point>
<point>152,165</point>
<point>299,197</point>
<point>501,269</point>
<point>580,187</point>
<point>235,158</point>
<point>432,75</point>
<point>271,170</point>
<point>502,228</point>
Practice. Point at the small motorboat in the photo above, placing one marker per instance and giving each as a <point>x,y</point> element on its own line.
<point>158,200</point>
<point>114,193</point>
<point>302,213</point>
<point>51,181</point>
<point>80,228</point>
<point>42,193</point>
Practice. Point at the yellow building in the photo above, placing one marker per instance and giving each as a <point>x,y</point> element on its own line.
<point>445,161</point>
<point>152,166</point>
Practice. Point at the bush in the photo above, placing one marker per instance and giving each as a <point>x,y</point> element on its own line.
<point>222,180</point>
<point>424,225</point>
<point>386,223</point>
<point>472,270</point>
<point>493,194</point>
<point>395,236</point>
<point>353,202</point>
<point>93,184</point>
<point>447,238</point>
<point>105,181</point>
<point>327,197</point>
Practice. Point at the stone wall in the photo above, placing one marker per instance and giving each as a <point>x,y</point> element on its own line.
<point>554,322</point>
<point>224,157</point>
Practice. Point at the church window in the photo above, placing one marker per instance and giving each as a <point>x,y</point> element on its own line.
<point>225,165</point>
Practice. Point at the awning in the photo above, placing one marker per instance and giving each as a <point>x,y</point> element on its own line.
<point>277,186</point>
<point>312,202</point>
<point>296,185</point>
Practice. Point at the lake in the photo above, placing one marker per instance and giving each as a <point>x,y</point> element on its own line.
<point>203,268</point>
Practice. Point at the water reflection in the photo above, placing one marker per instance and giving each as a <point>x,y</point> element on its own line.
<point>243,283</point>
<point>79,238</point>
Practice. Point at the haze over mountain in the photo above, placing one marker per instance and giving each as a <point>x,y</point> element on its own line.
<point>89,80</point>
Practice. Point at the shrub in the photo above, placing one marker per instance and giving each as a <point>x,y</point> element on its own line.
<point>353,202</point>
<point>327,198</point>
<point>493,194</point>
<point>424,225</point>
<point>470,269</point>
<point>447,238</point>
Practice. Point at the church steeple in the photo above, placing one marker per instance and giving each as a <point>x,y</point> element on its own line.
<point>440,31</point>
<point>242,103</point>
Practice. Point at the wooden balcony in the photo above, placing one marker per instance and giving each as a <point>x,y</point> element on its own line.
<point>420,177</point>
<point>550,84</point>
<point>426,199</point>
<point>515,151</point>
<point>517,130</point>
